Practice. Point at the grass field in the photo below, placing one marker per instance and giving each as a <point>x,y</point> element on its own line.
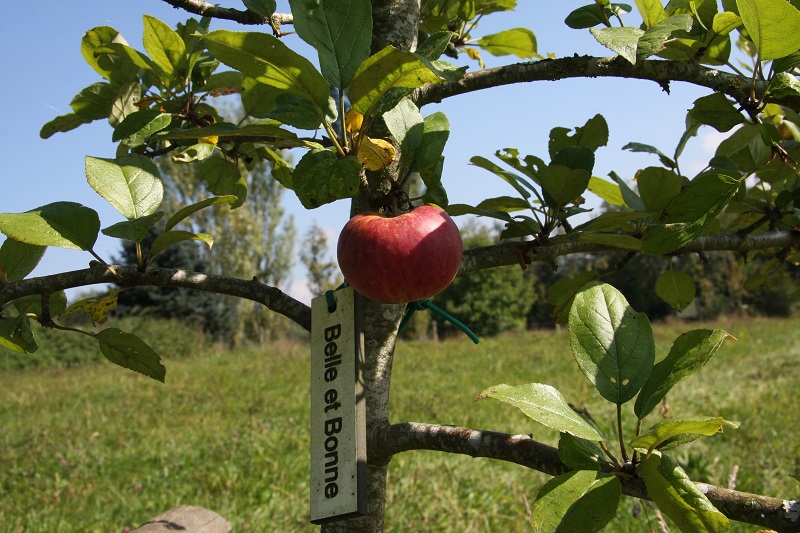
<point>96,448</point>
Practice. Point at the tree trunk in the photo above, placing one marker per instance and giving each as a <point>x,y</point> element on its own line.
<point>396,23</point>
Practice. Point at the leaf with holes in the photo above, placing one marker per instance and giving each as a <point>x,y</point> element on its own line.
<point>612,344</point>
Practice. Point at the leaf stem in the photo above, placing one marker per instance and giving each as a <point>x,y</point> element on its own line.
<point>619,433</point>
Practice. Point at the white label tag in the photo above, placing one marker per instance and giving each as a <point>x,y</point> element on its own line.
<point>338,428</point>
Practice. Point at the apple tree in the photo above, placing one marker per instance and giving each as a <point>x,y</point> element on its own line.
<point>380,64</point>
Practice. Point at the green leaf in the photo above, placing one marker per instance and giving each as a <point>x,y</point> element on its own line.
<point>562,185</point>
<point>652,11</point>
<point>512,179</point>
<point>340,31</point>
<point>716,111</point>
<point>16,334</point>
<point>772,25</point>
<point>265,8</point>
<point>606,191</point>
<point>223,178</point>
<point>783,85</point>
<point>676,288</point>
<point>653,40</point>
<point>581,500</point>
<point>612,343</point>
<point>405,123</point>
<point>269,130</point>
<point>435,192</point>
<point>195,152</point>
<point>579,454</point>
<point>563,292</point>
<point>617,240</point>
<point>725,22</point>
<point>657,187</point>
<point>136,128</point>
<point>508,204</point>
<point>575,157</point>
<point>585,17</point>
<point>591,135</point>
<point>129,351</point>
<point>259,99</point>
<point>33,304</point>
<point>390,69</point>
<point>168,238</point>
<point>689,353</point>
<point>632,199</point>
<point>189,210</point>
<point>545,405</point>
<point>321,177</point>
<point>669,429</point>
<point>435,132</point>
<point>520,42</point>
<point>165,47</point>
<point>116,69</point>
<point>134,229</point>
<point>269,61</point>
<point>294,111</point>
<point>125,102</point>
<point>646,148</point>
<point>18,259</point>
<point>434,45</point>
<point>623,41</point>
<point>689,213</point>
<point>679,498</point>
<point>464,209</point>
<point>612,220</point>
<point>281,170</point>
<point>130,183</point>
<point>62,123</point>
<point>94,102</point>
<point>228,81</point>
<point>62,224</point>
<point>124,53</point>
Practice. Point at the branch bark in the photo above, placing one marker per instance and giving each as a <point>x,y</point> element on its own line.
<point>385,441</point>
<point>526,252</point>
<point>661,72</point>
<point>254,290</point>
<point>204,9</point>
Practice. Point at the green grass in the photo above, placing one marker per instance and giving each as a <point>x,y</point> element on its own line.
<point>99,448</point>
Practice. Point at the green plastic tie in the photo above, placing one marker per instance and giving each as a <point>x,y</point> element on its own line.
<point>427,304</point>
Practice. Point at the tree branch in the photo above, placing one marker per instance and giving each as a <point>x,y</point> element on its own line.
<point>512,253</point>
<point>661,72</point>
<point>204,9</point>
<point>385,441</point>
<point>254,290</point>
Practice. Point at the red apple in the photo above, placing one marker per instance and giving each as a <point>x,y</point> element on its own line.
<point>400,259</point>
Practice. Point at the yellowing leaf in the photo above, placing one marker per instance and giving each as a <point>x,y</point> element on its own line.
<point>209,140</point>
<point>96,307</point>
<point>376,153</point>
<point>353,119</point>
<point>475,56</point>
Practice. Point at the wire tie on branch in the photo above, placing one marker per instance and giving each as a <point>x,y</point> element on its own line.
<point>421,305</point>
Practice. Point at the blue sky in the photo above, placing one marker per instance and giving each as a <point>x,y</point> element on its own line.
<point>44,69</point>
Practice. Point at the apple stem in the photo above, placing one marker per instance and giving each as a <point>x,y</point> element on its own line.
<point>426,304</point>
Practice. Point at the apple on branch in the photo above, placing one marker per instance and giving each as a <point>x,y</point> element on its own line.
<point>400,259</point>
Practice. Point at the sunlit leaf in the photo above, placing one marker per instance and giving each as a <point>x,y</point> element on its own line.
<point>130,183</point>
<point>689,353</point>
<point>545,405</point>
<point>581,500</point>
<point>612,343</point>
<point>135,229</point>
<point>97,307</point>
<point>679,498</point>
<point>168,238</point>
<point>375,153</point>
<point>622,40</point>
<point>18,259</point>
<point>772,25</point>
<point>520,42</point>
<point>607,191</point>
<point>164,45</point>
<point>62,224</point>
<point>340,31</point>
